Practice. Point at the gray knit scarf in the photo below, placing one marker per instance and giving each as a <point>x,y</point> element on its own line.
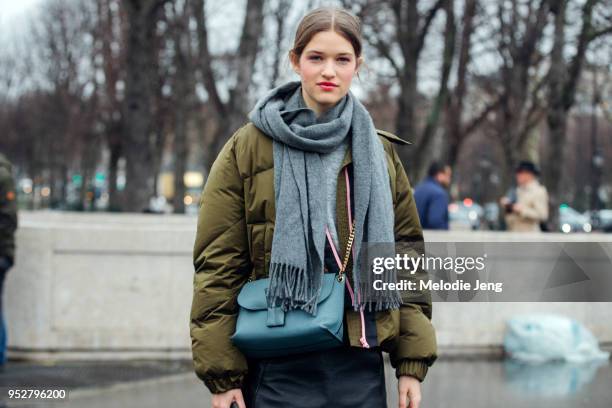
<point>299,137</point>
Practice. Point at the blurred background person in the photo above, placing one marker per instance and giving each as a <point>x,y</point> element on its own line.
<point>432,198</point>
<point>526,207</point>
<point>8,225</point>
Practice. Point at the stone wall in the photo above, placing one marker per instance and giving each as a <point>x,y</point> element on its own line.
<point>120,286</point>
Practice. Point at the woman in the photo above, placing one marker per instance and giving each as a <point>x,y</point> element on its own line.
<point>274,188</point>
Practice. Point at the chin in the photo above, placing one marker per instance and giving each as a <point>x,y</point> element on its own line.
<point>327,99</point>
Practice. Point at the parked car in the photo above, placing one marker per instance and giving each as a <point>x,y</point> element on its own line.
<point>491,216</point>
<point>465,215</point>
<point>571,220</point>
<point>602,220</point>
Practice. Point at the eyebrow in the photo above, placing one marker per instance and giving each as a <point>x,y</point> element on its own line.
<point>321,52</point>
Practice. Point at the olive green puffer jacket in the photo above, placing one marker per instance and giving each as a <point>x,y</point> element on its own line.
<point>234,243</point>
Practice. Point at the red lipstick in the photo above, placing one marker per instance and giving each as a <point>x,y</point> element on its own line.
<point>327,86</point>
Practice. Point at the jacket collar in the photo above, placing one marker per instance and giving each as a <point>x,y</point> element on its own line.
<point>348,158</point>
<point>393,137</point>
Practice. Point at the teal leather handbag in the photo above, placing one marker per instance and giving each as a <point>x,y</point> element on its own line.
<point>263,332</point>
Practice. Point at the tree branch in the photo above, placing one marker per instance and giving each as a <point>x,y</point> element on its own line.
<point>384,50</point>
<point>208,76</point>
<point>431,14</point>
<point>598,33</point>
<point>479,119</point>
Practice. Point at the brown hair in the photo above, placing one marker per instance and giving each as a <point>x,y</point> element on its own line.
<point>326,19</point>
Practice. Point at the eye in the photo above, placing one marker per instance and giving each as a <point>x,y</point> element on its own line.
<point>344,60</point>
<point>314,58</point>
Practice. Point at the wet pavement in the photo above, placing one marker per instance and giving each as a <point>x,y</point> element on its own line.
<point>454,383</point>
<point>485,383</point>
<point>82,375</point>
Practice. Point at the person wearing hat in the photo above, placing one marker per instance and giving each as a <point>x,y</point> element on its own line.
<point>527,206</point>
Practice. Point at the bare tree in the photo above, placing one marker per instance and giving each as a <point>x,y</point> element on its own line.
<point>141,66</point>
<point>419,155</point>
<point>515,92</point>
<point>456,130</point>
<point>111,25</point>
<point>65,44</point>
<point>183,83</point>
<point>280,18</point>
<point>401,44</point>
<point>232,112</point>
<point>563,78</point>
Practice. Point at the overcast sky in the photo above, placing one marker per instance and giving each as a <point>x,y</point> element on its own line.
<point>225,21</point>
<point>10,9</point>
<point>14,14</point>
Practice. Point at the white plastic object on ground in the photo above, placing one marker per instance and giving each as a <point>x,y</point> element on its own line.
<point>538,338</point>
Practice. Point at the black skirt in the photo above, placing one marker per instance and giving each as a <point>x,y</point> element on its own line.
<point>342,377</point>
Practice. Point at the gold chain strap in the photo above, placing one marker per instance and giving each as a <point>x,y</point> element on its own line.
<point>349,245</point>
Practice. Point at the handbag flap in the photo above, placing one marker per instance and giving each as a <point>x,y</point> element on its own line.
<point>253,294</point>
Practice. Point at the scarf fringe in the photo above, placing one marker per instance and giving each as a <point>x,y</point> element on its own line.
<point>375,300</point>
<point>378,304</point>
<point>291,288</point>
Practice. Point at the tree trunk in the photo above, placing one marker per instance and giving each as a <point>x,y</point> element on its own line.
<point>423,153</point>
<point>455,130</point>
<point>180,161</point>
<point>140,75</point>
<point>411,30</point>
<point>182,104</point>
<point>563,79</point>
<point>280,17</point>
<point>114,199</point>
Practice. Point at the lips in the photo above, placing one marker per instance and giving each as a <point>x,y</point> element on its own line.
<point>327,86</point>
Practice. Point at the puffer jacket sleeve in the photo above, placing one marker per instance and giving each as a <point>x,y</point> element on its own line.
<point>416,348</point>
<point>221,261</point>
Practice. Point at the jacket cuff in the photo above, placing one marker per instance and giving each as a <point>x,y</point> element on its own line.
<point>223,384</point>
<point>413,368</point>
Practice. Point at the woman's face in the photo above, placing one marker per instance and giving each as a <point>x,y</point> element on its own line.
<point>327,66</point>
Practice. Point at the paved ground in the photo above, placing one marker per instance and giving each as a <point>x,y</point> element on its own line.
<point>79,375</point>
<point>458,383</point>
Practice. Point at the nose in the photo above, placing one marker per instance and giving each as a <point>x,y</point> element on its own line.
<point>328,70</point>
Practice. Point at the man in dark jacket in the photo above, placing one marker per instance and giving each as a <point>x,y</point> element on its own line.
<point>431,197</point>
<point>8,225</point>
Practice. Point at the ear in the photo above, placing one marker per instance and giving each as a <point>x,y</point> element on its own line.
<point>358,65</point>
<point>293,59</point>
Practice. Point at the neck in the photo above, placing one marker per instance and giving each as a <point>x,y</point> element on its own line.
<point>317,108</point>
